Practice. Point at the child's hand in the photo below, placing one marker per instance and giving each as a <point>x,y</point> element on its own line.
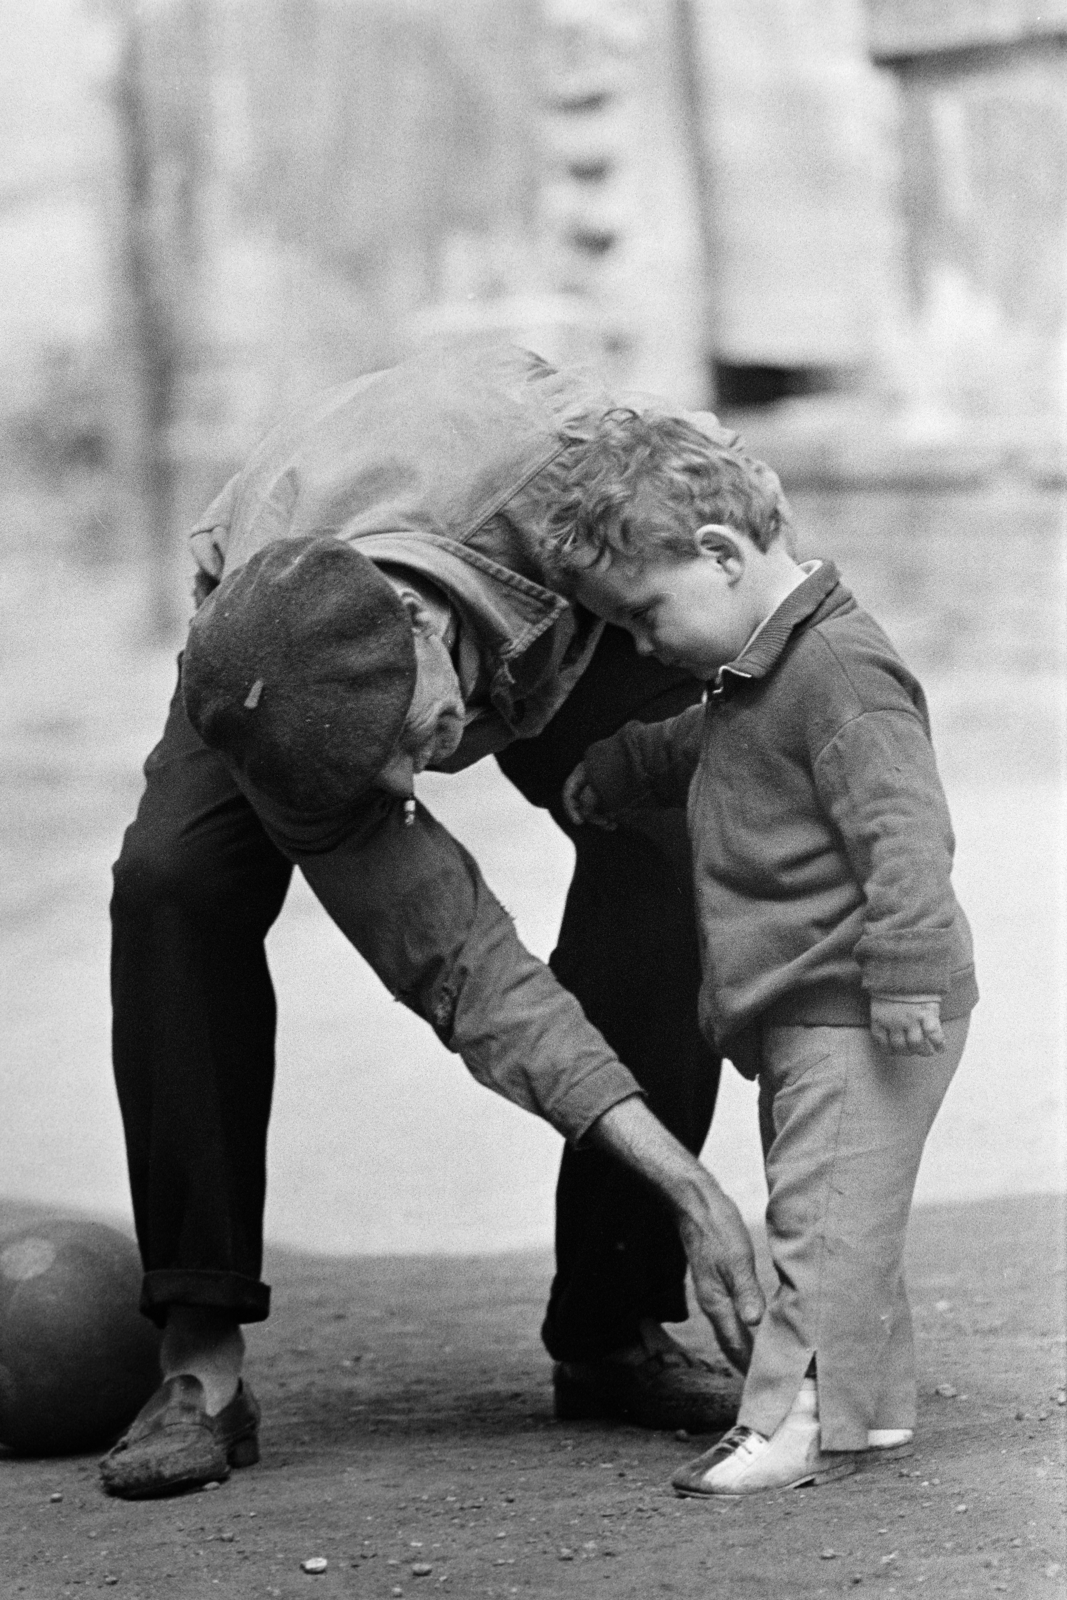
<point>907,1025</point>
<point>581,801</point>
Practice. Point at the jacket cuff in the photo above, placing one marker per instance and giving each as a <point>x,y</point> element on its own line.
<point>610,770</point>
<point>916,962</point>
<point>587,1100</point>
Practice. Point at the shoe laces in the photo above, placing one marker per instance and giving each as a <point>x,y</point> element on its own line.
<point>740,1440</point>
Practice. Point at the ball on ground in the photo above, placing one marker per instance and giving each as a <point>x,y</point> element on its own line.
<point>77,1359</point>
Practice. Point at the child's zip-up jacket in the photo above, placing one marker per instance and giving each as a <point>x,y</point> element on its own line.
<point>822,843</point>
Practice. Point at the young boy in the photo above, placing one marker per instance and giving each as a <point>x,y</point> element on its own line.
<point>837,964</point>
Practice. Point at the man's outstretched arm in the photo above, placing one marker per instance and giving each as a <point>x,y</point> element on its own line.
<point>716,1240</point>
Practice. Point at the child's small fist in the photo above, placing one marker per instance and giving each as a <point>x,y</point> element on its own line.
<point>907,1025</point>
<point>581,801</point>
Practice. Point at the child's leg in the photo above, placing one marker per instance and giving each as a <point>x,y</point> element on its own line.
<point>845,1125</point>
<point>893,1394</point>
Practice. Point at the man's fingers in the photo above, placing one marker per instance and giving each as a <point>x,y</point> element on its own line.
<point>728,1290</point>
<point>733,1337</point>
<point>745,1292</point>
<point>733,1319</point>
<point>571,796</point>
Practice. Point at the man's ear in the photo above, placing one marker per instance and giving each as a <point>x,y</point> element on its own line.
<point>420,619</point>
<point>724,545</point>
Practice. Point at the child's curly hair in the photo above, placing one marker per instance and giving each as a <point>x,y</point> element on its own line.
<point>638,485</point>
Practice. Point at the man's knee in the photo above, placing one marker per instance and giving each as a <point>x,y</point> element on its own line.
<point>152,872</point>
<point>238,877</point>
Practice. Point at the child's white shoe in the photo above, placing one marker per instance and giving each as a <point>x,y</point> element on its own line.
<point>745,1462</point>
<point>890,1444</point>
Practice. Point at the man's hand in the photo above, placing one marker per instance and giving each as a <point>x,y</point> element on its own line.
<point>715,1238</point>
<point>582,803</point>
<point>720,1257</point>
<point>907,1025</point>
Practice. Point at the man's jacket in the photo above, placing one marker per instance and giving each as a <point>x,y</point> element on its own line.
<point>430,466</point>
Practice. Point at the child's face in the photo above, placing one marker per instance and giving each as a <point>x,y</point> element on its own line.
<point>687,611</point>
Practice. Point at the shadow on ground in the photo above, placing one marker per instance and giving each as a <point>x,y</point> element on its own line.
<point>408,1425</point>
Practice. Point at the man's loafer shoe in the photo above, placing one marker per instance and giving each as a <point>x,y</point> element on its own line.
<point>172,1444</point>
<point>654,1384</point>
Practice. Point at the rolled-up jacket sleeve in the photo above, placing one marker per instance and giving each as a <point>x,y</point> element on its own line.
<point>416,907</point>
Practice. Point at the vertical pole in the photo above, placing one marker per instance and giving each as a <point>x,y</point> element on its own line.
<point>149,329</point>
<point>694,94</point>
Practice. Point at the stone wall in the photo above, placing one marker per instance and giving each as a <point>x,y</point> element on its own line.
<point>984,198</point>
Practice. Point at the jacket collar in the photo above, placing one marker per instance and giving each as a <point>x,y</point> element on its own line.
<point>764,649</point>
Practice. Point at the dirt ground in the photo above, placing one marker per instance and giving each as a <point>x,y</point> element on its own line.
<point>408,1439</point>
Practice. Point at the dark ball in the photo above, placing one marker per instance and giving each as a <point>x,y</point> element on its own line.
<point>77,1359</point>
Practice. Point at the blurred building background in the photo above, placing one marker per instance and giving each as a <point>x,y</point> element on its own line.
<point>212,207</point>
<point>841,223</point>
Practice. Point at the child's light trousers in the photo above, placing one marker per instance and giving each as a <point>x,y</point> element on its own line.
<point>843,1125</point>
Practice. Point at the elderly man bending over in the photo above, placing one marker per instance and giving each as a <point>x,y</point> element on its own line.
<point>377,598</point>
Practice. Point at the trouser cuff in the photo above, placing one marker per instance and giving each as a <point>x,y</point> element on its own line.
<point>244,1298</point>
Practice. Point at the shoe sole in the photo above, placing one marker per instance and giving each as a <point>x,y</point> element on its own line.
<point>241,1453</point>
<point>886,1452</point>
<point>843,1469</point>
<point>577,1403</point>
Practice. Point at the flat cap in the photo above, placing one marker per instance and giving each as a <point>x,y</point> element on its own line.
<point>299,669</point>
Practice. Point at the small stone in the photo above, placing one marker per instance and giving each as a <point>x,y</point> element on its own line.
<point>226,1538</point>
<point>683,1434</point>
<point>314,1565</point>
<point>110,1581</point>
<point>421,1569</point>
<point>942,1305</point>
<point>563,1554</point>
<point>961,1508</point>
<point>947,1391</point>
<point>892,1556</point>
<point>205,1488</point>
<point>397,1590</point>
<point>1053,1569</point>
<point>55,1498</point>
<point>1020,1415</point>
<point>1061,1397</point>
<point>828,1555</point>
<point>1042,1416</point>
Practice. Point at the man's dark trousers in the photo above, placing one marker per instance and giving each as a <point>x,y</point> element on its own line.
<point>198,885</point>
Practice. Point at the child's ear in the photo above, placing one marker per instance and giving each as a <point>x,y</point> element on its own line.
<point>724,545</point>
